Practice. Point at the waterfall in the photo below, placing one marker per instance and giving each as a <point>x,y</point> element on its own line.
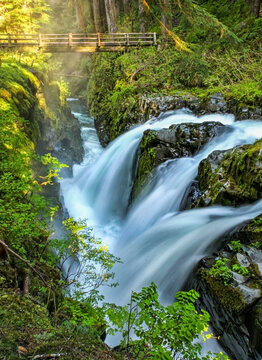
<point>154,238</point>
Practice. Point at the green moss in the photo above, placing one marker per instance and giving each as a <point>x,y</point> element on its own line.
<point>226,295</point>
<point>237,178</point>
<point>21,321</point>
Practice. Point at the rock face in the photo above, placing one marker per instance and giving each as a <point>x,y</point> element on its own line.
<point>178,141</point>
<point>149,106</point>
<point>60,130</point>
<point>231,291</point>
<point>231,177</point>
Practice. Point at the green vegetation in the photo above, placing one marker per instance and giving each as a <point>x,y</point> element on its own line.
<point>237,177</point>
<point>220,271</point>
<point>163,332</point>
<point>236,246</point>
<point>209,51</point>
<point>45,315</point>
<point>219,62</point>
<point>18,16</point>
<point>241,270</point>
<point>41,311</point>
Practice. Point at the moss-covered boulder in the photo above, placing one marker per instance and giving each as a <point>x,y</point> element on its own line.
<point>231,177</point>
<point>231,289</point>
<point>180,140</point>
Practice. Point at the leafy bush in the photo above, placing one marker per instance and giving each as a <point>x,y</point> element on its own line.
<point>241,270</point>
<point>236,246</point>
<point>220,271</point>
<point>164,332</point>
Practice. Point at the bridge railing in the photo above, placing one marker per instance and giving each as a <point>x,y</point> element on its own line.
<point>78,40</point>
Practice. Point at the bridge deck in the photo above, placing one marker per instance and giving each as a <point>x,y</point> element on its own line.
<point>78,42</point>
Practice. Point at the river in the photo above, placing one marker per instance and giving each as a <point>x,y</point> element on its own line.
<point>155,239</point>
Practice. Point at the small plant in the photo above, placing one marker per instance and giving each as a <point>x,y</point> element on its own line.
<point>241,270</point>
<point>164,332</point>
<point>236,246</point>
<point>220,271</point>
<point>256,245</point>
<point>257,221</point>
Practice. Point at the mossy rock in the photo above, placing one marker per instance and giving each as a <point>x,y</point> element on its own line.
<point>231,298</point>
<point>231,177</point>
<point>182,140</point>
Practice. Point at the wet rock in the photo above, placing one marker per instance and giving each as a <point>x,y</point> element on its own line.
<point>234,331</point>
<point>102,131</point>
<point>238,279</point>
<point>178,141</point>
<point>60,131</point>
<point>255,326</point>
<point>153,105</point>
<point>237,303</point>
<point>249,295</point>
<point>217,103</point>
<point>256,258</point>
<point>231,177</point>
<point>242,260</point>
<point>207,262</point>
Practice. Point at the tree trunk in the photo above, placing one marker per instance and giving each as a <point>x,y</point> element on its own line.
<point>125,5</point>
<point>103,15</point>
<point>80,17</point>
<point>88,12</point>
<point>27,282</point>
<point>166,17</point>
<point>256,7</point>
<point>142,14</point>
<point>110,7</point>
<point>99,19</point>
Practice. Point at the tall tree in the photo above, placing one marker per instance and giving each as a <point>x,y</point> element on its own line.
<point>256,7</point>
<point>125,5</point>
<point>166,17</point>
<point>142,14</point>
<point>80,15</point>
<point>110,6</point>
<point>99,15</point>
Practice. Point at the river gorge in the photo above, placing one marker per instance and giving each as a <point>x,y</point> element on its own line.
<point>155,233</point>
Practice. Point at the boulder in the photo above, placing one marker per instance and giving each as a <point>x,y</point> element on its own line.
<point>250,295</point>
<point>231,177</point>
<point>180,140</point>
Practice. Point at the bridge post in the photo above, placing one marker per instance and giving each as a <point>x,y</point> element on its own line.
<point>154,38</point>
<point>40,40</point>
<point>98,40</point>
<point>9,40</point>
<point>70,39</point>
<point>127,39</point>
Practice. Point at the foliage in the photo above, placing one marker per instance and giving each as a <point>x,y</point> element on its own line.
<point>54,167</point>
<point>220,271</point>
<point>20,16</point>
<point>236,246</point>
<point>163,332</point>
<point>241,270</point>
<point>90,261</point>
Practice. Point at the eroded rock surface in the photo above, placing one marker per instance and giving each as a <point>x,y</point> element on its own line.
<point>230,285</point>
<point>231,177</point>
<point>178,141</point>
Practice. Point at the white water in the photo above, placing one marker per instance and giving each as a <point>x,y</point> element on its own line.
<point>155,240</point>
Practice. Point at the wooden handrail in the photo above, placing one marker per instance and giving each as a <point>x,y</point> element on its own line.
<point>75,42</point>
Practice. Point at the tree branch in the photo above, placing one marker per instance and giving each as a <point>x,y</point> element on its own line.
<point>24,261</point>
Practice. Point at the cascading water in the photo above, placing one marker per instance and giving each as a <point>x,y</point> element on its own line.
<point>155,240</point>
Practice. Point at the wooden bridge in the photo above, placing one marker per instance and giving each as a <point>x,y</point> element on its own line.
<point>78,42</point>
